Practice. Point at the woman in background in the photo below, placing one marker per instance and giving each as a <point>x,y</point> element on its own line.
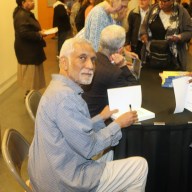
<point>28,46</point>
<point>169,21</point>
<point>104,14</point>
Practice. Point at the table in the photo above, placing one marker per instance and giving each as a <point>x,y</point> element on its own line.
<point>164,141</point>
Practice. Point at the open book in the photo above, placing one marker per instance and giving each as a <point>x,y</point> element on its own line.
<point>124,97</point>
<point>183,94</point>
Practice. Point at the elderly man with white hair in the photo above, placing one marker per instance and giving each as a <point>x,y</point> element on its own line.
<point>66,138</point>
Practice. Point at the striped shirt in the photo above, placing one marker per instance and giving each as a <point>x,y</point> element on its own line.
<point>66,139</point>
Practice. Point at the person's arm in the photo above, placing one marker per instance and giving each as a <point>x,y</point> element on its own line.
<point>77,129</point>
<point>94,24</point>
<point>123,77</point>
<point>129,32</point>
<point>144,27</point>
<point>186,29</point>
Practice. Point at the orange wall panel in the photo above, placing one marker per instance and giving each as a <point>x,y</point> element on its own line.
<point>45,14</point>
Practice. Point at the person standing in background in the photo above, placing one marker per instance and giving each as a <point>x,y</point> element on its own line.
<point>170,23</point>
<point>135,20</point>
<point>104,14</point>
<point>62,21</point>
<point>28,46</point>
<point>80,17</point>
<point>74,11</point>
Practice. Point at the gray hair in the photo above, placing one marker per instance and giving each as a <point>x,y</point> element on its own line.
<point>112,38</point>
<point>68,46</point>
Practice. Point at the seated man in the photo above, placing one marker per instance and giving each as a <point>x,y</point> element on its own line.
<point>66,138</point>
<point>111,69</point>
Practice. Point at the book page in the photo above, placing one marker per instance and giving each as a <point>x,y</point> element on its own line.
<point>180,90</point>
<point>188,101</point>
<point>122,98</point>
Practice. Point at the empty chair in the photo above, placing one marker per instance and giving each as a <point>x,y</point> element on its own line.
<point>32,102</point>
<point>15,150</point>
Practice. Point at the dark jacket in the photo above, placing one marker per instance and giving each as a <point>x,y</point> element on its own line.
<point>106,76</point>
<point>134,22</point>
<point>61,18</point>
<point>28,42</point>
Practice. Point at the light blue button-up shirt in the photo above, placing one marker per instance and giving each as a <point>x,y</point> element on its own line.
<point>66,139</point>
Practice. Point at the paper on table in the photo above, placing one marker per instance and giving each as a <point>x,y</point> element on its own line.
<point>122,98</point>
<point>183,94</point>
<point>51,31</point>
<point>128,96</point>
<point>188,101</point>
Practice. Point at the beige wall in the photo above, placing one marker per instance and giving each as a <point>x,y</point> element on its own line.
<point>8,62</point>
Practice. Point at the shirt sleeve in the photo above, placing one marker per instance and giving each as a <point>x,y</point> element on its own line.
<point>98,123</point>
<point>78,130</point>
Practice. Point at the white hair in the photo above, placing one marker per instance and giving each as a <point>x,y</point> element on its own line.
<point>68,46</point>
<point>112,38</point>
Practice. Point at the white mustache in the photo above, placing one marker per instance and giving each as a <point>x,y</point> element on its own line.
<point>87,72</point>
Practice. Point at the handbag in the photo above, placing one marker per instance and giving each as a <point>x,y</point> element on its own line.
<point>158,54</point>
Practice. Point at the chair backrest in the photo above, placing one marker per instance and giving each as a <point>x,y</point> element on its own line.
<point>15,150</point>
<point>31,102</point>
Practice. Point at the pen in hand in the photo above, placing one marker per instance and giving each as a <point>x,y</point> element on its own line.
<point>130,108</point>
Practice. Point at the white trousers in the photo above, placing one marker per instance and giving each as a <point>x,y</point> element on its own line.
<point>126,175</point>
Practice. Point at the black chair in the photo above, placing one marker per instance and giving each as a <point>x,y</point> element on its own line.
<point>15,150</point>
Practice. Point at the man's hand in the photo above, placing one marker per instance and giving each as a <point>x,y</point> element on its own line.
<point>127,119</point>
<point>118,59</point>
<point>42,33</point>
<point>106,113</point>
<point>144,38</point>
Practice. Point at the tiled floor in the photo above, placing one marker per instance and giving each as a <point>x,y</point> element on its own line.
<point>13,114</point>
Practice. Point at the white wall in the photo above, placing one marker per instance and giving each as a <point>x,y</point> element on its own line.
<point>8,62</point>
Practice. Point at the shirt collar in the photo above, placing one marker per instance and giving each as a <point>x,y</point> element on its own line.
<point>76,88</point>
<point>143,11</point>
